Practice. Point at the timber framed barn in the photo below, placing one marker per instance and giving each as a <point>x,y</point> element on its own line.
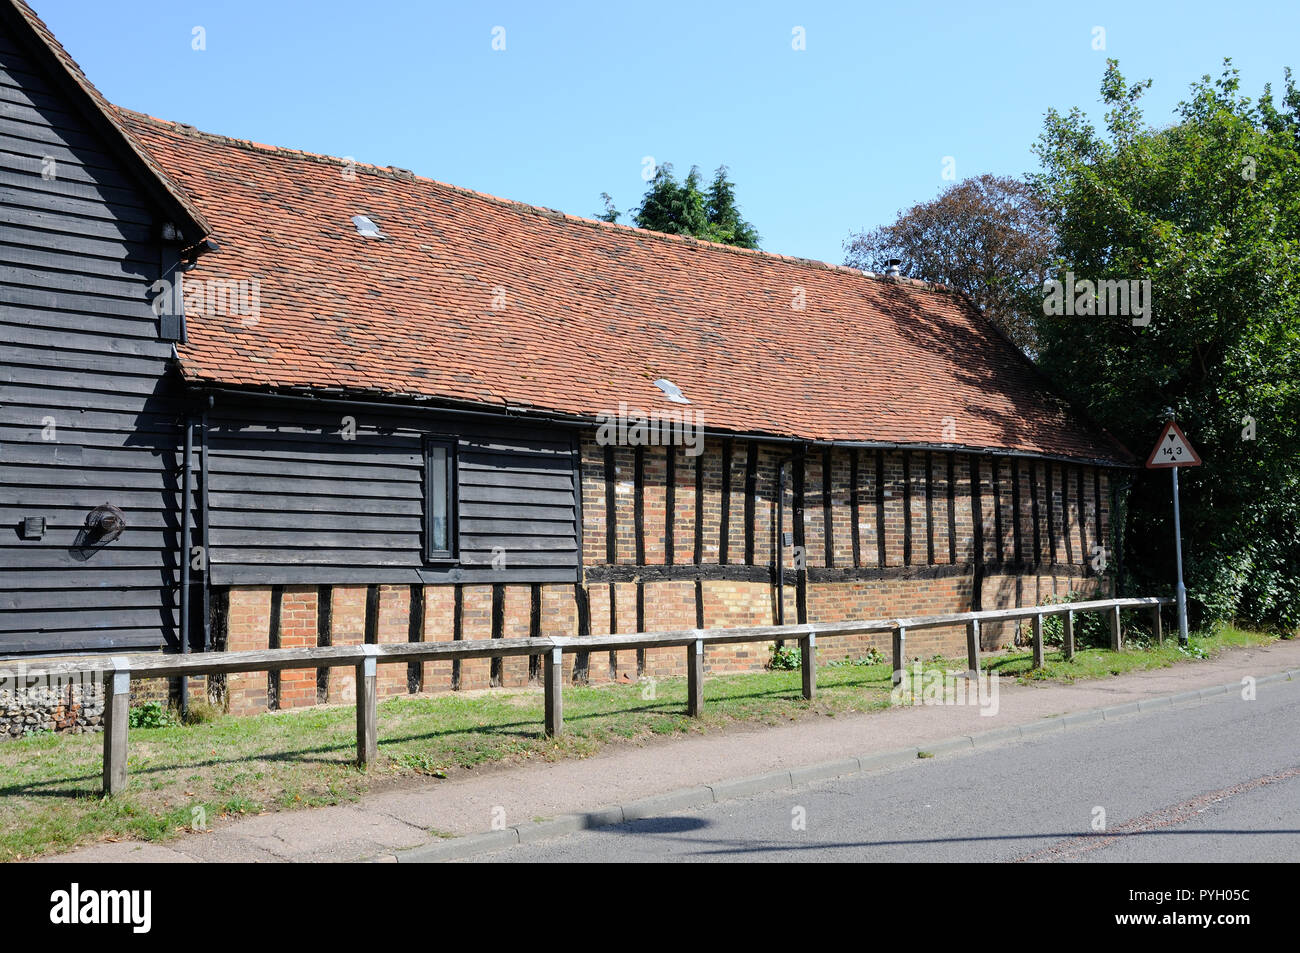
<point>382,399</point>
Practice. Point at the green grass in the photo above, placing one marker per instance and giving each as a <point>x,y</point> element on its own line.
<point>1141,654</point>
<point>227,767</point>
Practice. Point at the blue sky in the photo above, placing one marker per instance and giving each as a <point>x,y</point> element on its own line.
<point>820,142</point>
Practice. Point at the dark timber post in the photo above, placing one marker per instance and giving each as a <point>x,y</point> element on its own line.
<point>973,645</point>
<point>1156,626</point>
<point>367,714</point>
<point>552,673</point>
<point>1038,641</point>
<point>1069,634</point>
<point>1116,634</point>
<point>807,655</point>
<point>900,648</point>
<point>695,678</point>
<point>977,532</point>
<point>117,719</point>
<point>907,508</point>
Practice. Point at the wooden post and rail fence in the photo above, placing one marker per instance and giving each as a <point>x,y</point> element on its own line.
<point>119,671</point>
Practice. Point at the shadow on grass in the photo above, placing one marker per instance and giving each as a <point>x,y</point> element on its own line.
<point>339,754</point>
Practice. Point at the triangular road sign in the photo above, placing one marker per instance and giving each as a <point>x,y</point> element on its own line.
<point>1173,449</point>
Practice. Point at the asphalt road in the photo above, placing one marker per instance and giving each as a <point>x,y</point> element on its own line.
<point>1219,781</point>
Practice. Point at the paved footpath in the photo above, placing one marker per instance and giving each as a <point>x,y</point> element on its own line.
<point>397,823</point>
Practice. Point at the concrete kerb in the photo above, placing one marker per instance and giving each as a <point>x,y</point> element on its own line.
<point>462,848</point>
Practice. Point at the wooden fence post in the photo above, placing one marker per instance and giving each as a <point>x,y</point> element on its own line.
<point>1156,625</point>
<point>1038,641</point>
<point>1069,634</point>
<point>367,711</point>
<point>117,720</point>
<point>900,650</point>
<point>553,675</point>
<point>695,678</point>
<point>1116,634</point>
<point>808,655</point>
<point>973,645</point>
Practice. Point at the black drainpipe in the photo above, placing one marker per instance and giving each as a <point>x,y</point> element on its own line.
<point>207,545</point>
<point>186,529</point>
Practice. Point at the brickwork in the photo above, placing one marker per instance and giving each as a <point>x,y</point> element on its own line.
<point>298,631</point>
<point>248,624</point>
<point>348,627</point>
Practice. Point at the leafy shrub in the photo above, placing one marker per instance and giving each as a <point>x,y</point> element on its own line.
<point>151,715</point>
<point>1091,629</point>
<point>784,659</point>
<point>873,657</point>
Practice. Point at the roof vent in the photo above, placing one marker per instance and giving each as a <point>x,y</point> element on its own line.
<point>366,228</point>
<point>892,269</point>
<point>671,391</point>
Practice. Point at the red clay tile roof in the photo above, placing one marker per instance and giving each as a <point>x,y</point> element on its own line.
<point>589,314</point>
<point>177,202</point>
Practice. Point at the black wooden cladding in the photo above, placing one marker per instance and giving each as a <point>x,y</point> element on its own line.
<point>88,411</point>
<point>296,498</point>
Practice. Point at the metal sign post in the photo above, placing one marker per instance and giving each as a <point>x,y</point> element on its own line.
<point>1181,591</point>
<point>1173,451</point>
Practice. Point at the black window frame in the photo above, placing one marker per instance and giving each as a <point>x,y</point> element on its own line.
<point>452,553</point>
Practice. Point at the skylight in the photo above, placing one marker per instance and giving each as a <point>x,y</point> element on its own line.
<point>671,391</point>
<point>366,228</point>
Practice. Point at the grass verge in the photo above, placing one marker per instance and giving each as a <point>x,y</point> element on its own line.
<point>191,777</point>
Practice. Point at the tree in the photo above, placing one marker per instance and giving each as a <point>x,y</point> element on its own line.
<point>683,208</point>
<point>1208,211</point>
<point>987,236</point>
<point>610,214</point>
<point>725,224</point>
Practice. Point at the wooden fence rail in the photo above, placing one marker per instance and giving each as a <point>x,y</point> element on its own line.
<point>119,671</point>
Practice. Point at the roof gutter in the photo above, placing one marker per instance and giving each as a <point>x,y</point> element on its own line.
<point>575,421</point>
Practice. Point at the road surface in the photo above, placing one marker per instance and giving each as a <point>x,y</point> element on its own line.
<point>1218,781</point>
